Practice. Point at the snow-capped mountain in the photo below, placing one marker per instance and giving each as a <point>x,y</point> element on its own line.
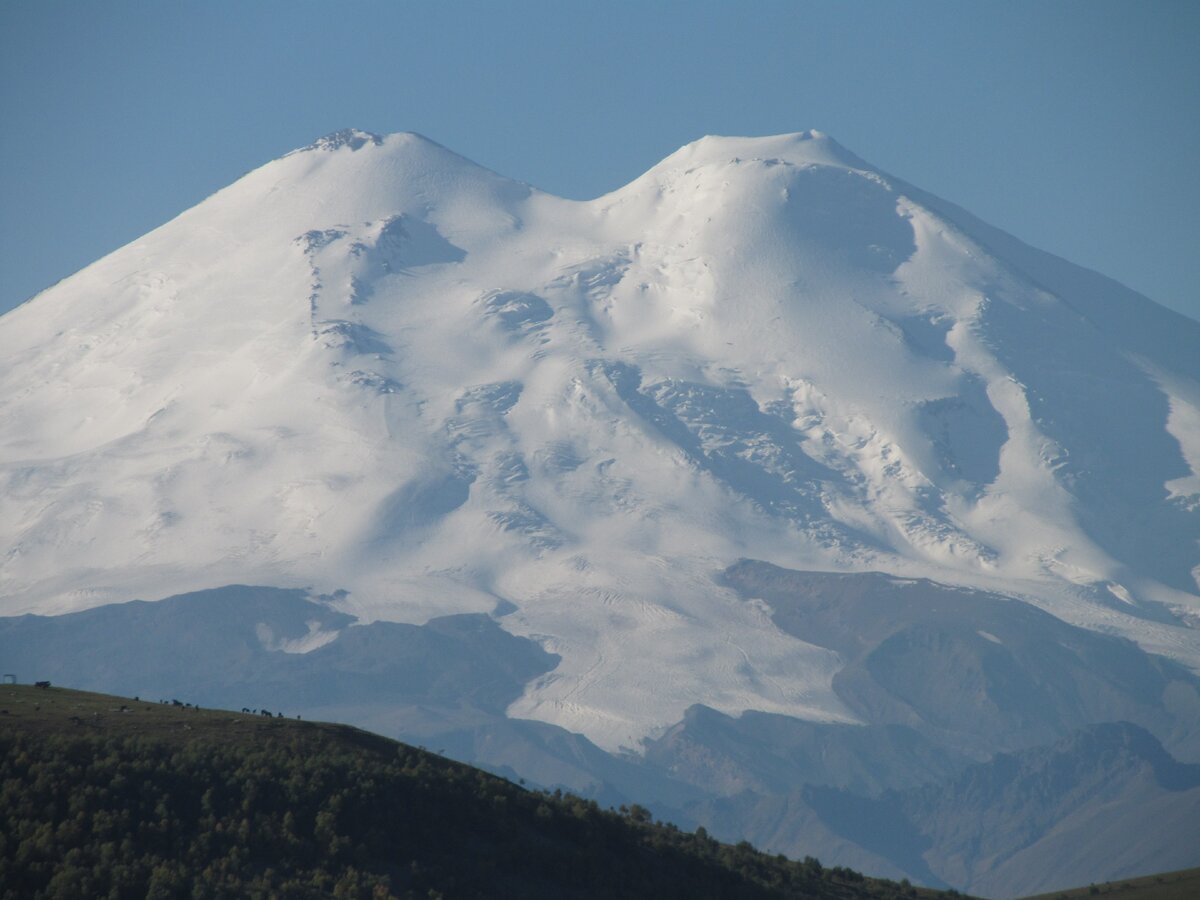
<point>799,483</point>
<point>372,366</point>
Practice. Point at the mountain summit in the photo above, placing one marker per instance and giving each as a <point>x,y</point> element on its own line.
<point>376,368</point>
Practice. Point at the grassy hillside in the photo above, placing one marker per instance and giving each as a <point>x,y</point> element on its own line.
<point>104,796</point>
<point>1181,885</point>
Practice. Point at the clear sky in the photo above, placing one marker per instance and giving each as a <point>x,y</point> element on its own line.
<point>1073,125</point>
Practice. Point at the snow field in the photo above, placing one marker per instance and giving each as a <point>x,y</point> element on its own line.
<point>389,371</point>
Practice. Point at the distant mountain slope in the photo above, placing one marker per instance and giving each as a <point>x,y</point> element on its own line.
<point>1105,799</point>
<point>972,671</point>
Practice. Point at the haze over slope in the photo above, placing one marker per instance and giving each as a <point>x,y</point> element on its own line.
<point>376,367</point>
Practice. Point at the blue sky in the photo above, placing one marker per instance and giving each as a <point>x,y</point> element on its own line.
<point>1073,125</point>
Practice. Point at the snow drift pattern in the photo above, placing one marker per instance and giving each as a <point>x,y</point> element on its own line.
<point>374,366</point>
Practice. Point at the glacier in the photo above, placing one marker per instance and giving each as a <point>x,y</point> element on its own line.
<point>377,371</point>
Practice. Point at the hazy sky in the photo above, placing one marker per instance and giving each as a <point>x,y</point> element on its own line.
<point>1073,125</point>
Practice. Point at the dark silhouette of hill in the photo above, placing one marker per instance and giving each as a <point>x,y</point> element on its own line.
<point>108,796</point>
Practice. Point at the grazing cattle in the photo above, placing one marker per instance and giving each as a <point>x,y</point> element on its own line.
<point>41,684</point>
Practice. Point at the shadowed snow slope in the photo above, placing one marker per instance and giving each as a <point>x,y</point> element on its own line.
<point>373,366</point>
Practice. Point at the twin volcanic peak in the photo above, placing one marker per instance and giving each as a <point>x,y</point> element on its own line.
<point>376,367</point>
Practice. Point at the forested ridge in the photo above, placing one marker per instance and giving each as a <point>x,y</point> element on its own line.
<point>109,797</point>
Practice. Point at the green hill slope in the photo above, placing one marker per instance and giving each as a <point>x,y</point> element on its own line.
<point>1183,884</point>
<point>103,796</point>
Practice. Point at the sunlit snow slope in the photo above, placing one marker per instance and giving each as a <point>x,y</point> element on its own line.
<point>372,365</point>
